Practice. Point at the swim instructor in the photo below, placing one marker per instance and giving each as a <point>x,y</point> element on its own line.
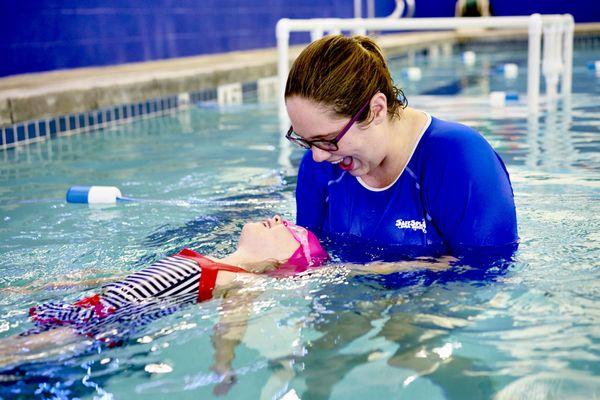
<point>384,173</point>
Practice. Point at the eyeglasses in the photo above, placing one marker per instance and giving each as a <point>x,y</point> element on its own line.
<point>323,144</point>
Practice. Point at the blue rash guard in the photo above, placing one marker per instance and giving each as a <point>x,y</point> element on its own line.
<point>453,197</point>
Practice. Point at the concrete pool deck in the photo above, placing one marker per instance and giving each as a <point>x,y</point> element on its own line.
<point>51,94</point>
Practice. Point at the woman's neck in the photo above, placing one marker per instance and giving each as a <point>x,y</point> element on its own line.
<point>403,134</point>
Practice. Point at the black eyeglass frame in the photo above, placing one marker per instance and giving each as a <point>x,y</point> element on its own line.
<point>324,144</point>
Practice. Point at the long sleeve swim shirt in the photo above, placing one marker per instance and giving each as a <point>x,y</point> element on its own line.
<point>453,196</point>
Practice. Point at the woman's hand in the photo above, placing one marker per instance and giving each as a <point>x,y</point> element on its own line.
<point>261,267</point>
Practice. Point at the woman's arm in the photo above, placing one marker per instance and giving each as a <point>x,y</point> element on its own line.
<point>467,191</point>
<point>421,263</point>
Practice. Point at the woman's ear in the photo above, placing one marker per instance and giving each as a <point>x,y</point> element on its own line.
<point>378,108</point>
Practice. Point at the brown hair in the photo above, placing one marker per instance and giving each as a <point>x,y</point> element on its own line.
<point>344,73</point>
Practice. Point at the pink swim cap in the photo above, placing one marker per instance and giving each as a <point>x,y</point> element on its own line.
<point>310,254</point>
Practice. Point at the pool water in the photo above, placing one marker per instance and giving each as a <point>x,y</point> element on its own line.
<point>526,328</point>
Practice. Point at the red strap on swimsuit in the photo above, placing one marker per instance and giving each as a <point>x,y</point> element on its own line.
<point>94,302</point>
<point>210,269</point>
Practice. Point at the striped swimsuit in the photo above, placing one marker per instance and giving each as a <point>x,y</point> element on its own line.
<point>142,297</point>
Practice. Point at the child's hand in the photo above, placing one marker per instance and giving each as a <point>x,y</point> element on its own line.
<point>228,379</point>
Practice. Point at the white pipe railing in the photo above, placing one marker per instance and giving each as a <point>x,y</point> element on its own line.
<point>357,8</point>
<point>534,50</point>
<point>398,12</point>
<point>370,8</point>
<point>567,76</point>
<point>557,31</point>
<point>401,7</point>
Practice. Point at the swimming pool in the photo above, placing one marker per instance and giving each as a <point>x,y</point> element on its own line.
<point>517,329</point>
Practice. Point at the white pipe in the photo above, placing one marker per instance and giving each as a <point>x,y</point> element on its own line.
<point>357,8</point>
<point>534,154</point>
<point>411,8</point>
<point>283,64</point>
<point>568,55</point>
<point>316,34</point>
<point>533,66</point>
<point>557,56</point>
<point>546,49</point>
<point>398,10</point>
<point>401,6</point>
<point>371,8</point>
<point>551,66</point>
<point>415,24</point>
<point>360,31</point>
<point>285,151</point>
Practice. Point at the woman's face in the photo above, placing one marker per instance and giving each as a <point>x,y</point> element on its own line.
<point>268,239</point>
<point>360,150</point>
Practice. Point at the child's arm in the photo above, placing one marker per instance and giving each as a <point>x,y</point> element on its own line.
<point>71,281</point>
<point>227,335</point>
<point>16,350</point>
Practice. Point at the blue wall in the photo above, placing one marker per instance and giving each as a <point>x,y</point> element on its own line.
<point>582,10</point>
<point>45,35</point>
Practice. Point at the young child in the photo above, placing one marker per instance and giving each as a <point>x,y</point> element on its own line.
<point>274,247</point>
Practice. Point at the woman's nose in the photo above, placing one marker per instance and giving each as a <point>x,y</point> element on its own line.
<point>319,155</point>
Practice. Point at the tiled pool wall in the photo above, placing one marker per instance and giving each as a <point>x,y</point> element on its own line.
<point>264,89</point>
<point>23,133</point>
<point>47,128</point>
<point>41,129</point>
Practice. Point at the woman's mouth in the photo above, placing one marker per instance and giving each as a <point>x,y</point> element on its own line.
<point>346,163</point>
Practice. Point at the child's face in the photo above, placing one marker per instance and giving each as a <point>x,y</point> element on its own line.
<point>268,239</point>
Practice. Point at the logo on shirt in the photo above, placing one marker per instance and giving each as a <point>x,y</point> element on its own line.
<point>411,224</point>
